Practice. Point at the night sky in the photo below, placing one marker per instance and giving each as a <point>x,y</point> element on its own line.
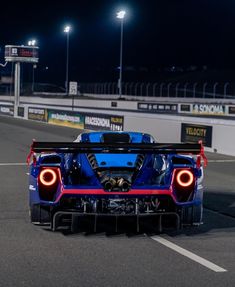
<point>157,34</point>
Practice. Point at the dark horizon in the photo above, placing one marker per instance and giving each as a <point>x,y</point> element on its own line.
<point>158,35</point>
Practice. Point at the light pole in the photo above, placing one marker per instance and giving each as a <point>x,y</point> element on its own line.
<point>67,30</point>
<point>33,42</point>
<point>121,15</point>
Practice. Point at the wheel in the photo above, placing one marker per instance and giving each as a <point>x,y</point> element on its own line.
<point>197,214</point>
<point>39,215</point>
<point>192,215</point>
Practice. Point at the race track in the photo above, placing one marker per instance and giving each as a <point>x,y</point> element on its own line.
<point>34,256</point>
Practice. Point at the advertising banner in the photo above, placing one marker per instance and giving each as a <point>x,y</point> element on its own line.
<point>104,122</point>
<point>21,54</point>
<point>231,110</point>
<point>158,107</point>
<point>66,118</point>
<point>209,109</point>
<point>185,108</point>
<point>193,133</point>
<point>7,110</point>
<point>37,114</point>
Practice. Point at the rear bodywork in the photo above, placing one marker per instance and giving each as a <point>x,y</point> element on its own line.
<point>110,174</point>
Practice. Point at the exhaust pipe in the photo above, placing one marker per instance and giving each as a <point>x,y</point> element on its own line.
<point>109,184</point>
<point>123,184</point>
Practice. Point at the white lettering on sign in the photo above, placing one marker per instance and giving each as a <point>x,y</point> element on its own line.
<point>99,122</point>
<point>14,51</point>
<point>68,118</point>
<point>5,110</point>
<point>36,111</point>
<point>208,109</point>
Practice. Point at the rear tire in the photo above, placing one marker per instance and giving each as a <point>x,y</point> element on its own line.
<point>192,215</point>
<point>39,215</point>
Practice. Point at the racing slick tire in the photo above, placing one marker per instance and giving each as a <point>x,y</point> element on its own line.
<point>39,215</point>
<point>192,215</point>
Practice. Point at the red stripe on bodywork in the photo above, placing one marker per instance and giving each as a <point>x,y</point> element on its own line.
<point>130,192</point>
<point>133,192</point>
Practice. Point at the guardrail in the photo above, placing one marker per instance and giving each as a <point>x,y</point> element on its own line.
<point>214,90</point>
<point>211,90</point>
<point>181,106</point>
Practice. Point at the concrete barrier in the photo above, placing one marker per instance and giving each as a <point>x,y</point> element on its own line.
<point>218,133</point>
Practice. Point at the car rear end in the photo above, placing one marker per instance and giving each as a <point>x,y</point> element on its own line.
<point>70,186</point>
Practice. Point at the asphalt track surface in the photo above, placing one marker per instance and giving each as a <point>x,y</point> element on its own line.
<point>35,256</point>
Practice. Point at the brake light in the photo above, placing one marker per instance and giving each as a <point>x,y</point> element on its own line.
<point>184,178</point>
<point>48,177</point>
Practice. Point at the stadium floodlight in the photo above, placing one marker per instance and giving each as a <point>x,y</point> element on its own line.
<point>67,30</point>
<point>121,15</point>
<point>32,42</point>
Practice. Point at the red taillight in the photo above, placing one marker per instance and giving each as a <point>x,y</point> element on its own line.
<point>48,177</point>
<point>185,178</point>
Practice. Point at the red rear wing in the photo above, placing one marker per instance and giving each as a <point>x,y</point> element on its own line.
<point>123,148</point>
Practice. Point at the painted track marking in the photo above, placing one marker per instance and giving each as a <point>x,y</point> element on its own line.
<point>221,160</point>
<point>188,254</point>
<point>167,243</point>
<point>12,163</point>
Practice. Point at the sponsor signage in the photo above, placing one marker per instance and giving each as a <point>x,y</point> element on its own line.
<point>66,118</point>
<point>193,133</point>
<point>208,109</point>
<point>231,110</point>
<point>104,122</point>
<point>37,114</point>
<point>185,108</point>
<point>158,107</point>
<point>21,54</point>
<point>114,104</point>
<point>7,110</point>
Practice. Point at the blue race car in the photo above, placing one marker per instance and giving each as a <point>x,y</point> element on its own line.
<point>115,174</point>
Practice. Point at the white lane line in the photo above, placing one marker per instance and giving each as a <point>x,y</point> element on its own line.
<point>221,160</point>
<point>12,163</point>
<point>189,254</point>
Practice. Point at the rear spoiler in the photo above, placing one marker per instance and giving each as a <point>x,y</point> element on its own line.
<point>127,148</point>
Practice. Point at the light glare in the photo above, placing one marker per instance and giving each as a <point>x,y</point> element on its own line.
<point>32,42</point>
<point>67,29</point>
<point>121,14</point>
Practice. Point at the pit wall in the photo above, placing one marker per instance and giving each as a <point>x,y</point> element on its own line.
<point>167,122</point>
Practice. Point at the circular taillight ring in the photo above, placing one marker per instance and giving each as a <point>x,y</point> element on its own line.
<point>52,174</point>
<point>182,182</point>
